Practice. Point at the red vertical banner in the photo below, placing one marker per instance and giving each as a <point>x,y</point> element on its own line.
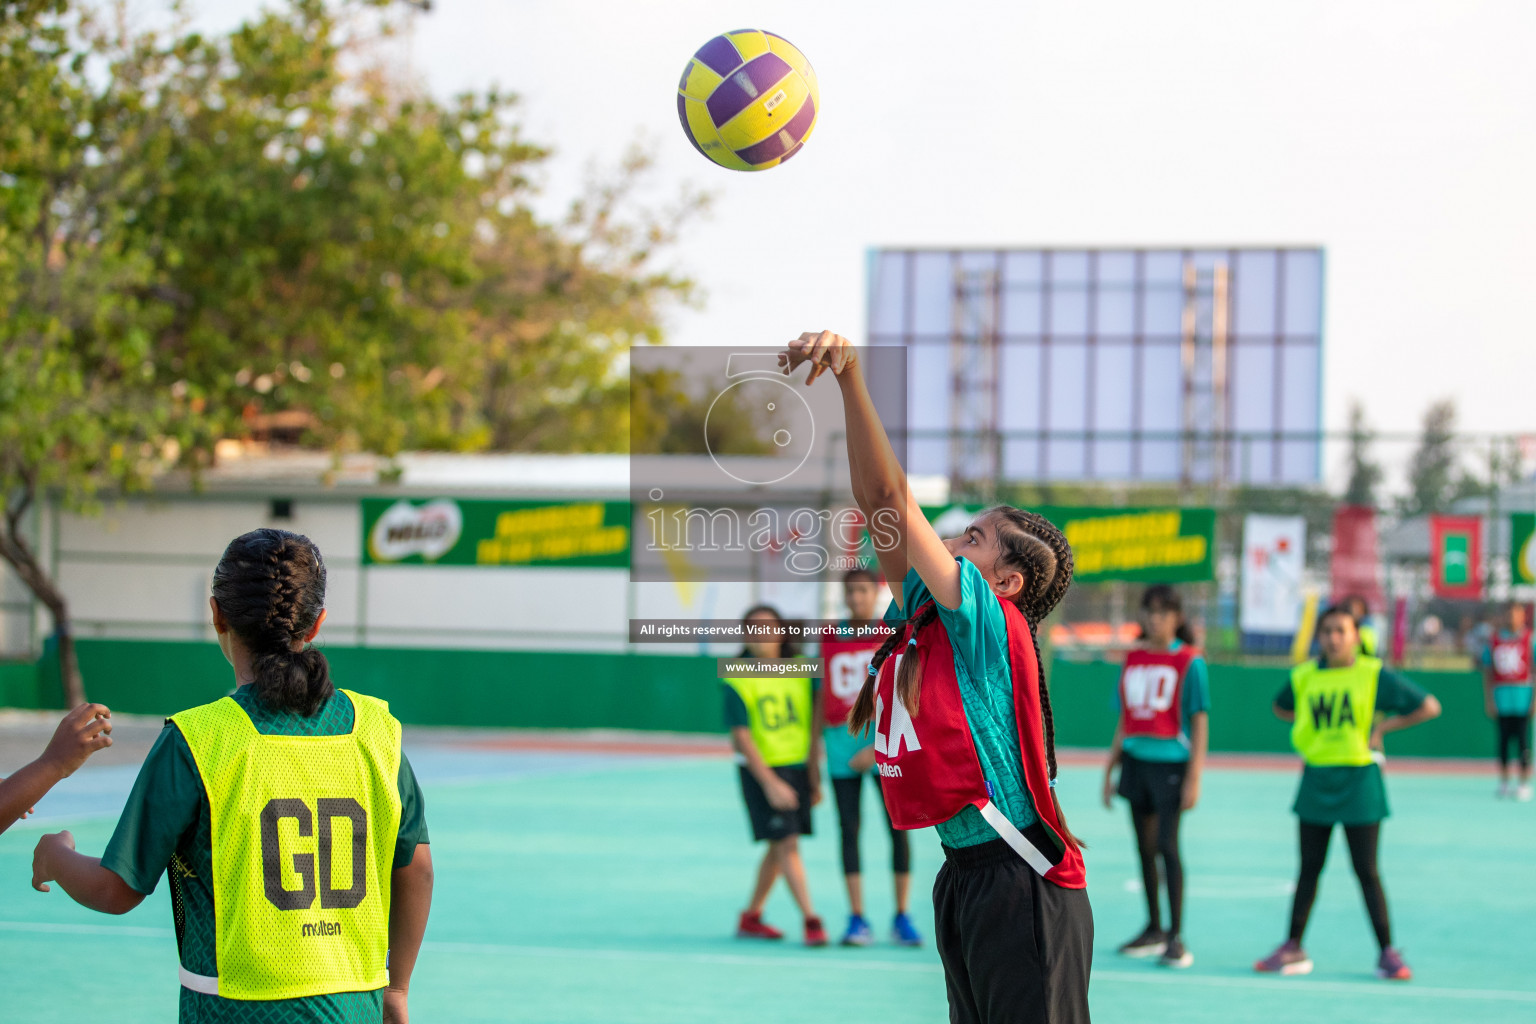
<point>1356,566</point>
<point>1456,556</point>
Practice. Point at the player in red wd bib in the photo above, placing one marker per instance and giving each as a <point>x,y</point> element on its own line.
<point>1159,746</point>
<point>962,727</point>
<point>1507,677</point>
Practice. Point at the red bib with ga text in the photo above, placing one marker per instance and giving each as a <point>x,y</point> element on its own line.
<point>1512,660</point>
<point>847,666</point>
<point>929,771</point>
<point>1152,691</point>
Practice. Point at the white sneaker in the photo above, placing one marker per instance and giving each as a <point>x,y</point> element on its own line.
<point>1525,793</point>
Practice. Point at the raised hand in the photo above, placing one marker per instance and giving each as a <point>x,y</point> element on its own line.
<point>823,350</point>
<point>83,731</point>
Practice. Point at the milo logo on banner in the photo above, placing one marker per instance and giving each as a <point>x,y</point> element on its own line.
<point>404,529</point>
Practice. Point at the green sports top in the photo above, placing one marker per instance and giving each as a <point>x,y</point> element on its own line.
<point>166,826</point>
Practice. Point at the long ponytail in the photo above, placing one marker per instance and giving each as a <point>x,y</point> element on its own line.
<point>270,586</point>
<point>909,674</point>
<point>1033,544</point>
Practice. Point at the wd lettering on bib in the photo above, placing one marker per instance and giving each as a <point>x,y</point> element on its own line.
<point>1152,690</point>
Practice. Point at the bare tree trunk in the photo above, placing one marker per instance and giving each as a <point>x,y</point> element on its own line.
<point>19,554</point>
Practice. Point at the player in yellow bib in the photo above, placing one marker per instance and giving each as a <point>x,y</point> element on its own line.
<point>1341,705</point>
<point>292,824</point>
<point>770,721</point>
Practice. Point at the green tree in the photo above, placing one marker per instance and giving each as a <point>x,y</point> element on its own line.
<point>200,233</point>
<point>1433,472</point>
<point>1365,473</point>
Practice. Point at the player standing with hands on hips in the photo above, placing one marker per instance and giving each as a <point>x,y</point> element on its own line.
<point>1342,705</point>
<point>1159,746</point>
<point>290,821</point>
<point>963,734</point>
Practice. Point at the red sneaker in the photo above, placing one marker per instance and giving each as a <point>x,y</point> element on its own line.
<point>752,926</point>
<point>815,934</point>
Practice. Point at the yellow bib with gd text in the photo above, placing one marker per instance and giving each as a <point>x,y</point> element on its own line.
<point>304,834</point>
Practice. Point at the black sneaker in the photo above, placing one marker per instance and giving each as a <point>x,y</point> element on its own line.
<point>1175,955</point>
<point>1151,942</point>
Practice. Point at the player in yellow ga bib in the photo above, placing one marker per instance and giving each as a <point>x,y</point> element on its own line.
<point>303,831</point>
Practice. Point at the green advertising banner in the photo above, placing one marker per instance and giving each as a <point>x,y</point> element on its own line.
<point>449,531</point>
<point>1154,545</point>
<point>1522,553</point>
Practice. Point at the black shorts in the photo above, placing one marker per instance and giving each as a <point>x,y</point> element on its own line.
<point>767,821</point>
<point>1152,786</point>
<point>1016,949</point>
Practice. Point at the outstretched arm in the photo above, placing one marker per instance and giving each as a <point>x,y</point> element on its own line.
<point>902,534</point>
<point>87,882</point>
<point>80,734</point>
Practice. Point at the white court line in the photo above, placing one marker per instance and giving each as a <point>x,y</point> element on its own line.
<point>1295,985</point>
<point>87,929</point>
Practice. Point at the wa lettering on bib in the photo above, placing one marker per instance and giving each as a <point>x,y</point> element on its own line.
<point>1152,692</point>
<point>929,771</point>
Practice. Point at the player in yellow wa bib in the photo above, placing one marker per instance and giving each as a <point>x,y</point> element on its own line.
<point>1340,706</point>
<point>290,820</point>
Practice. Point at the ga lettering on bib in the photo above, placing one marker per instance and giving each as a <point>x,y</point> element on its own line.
<point>1152,692</point>
<point>303,834</point>
<point>929,771</point>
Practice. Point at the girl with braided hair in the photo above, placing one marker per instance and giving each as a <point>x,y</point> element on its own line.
<point>323,875</point>
<point>962,727</point>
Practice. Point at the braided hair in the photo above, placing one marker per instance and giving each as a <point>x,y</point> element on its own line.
<point>1032,544</point>
<point>270,586</point>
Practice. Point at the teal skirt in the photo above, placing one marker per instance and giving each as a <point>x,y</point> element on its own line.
<point>1341,795</point>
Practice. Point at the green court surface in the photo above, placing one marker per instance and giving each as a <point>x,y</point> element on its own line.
<point>601,888</point>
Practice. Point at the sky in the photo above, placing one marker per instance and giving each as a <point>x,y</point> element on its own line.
<point>1401,137</point>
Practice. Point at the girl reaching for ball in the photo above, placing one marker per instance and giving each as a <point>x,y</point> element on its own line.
<point>962,727</point>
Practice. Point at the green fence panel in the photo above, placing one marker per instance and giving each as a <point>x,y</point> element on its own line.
<point>1082,697</point>
<point>622,690</point>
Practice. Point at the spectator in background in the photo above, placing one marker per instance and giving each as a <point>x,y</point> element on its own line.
<point>1356,605</point>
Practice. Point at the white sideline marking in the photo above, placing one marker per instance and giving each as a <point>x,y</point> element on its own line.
<point>1380,988</point>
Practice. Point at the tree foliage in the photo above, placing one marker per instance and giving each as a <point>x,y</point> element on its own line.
<point>200,234</point>
<point>1433,472</point>
<point>1365,473</point>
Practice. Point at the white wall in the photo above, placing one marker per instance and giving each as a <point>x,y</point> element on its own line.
<point>143,569</point>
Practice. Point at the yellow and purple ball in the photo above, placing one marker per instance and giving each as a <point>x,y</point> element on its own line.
<point>748,100</point>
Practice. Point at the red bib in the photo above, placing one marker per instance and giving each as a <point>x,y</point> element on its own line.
<point>1512,660</point>
<point>1152,691</point>
<point>929,771</point>
<point>847,666</point>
